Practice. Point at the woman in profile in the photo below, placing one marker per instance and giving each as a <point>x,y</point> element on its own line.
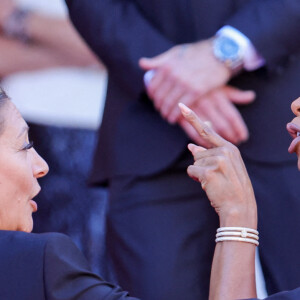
<point>222,174</point>
<point>35,266</point>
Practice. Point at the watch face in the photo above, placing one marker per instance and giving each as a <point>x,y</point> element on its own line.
<point>228,47</point>
<point>228,51</point>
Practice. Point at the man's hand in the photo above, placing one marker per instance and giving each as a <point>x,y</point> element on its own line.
<point>183,74</point>
<point>217,107</point>
<point>222,174</point>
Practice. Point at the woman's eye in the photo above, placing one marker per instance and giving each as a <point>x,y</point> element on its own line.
<point>28,146</point>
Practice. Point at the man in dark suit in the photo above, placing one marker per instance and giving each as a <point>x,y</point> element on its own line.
<point>160,225</point>
<point>49,267</point>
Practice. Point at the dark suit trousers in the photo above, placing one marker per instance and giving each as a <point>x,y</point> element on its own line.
<point>161,231</point>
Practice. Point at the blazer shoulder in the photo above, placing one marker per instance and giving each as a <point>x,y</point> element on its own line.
<point>22,257</point>
<point>30,239</point>
<point>29,245</point>
<point>61,251</point>
<point>67,274</point>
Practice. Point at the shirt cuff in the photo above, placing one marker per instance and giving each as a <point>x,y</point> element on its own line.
<point>252,60</point>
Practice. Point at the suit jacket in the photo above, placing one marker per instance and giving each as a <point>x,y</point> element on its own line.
<point>48,267</point>
<point>133,138</point>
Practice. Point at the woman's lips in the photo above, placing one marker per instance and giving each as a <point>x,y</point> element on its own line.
<point>33,203</point>
<point>34,206</point>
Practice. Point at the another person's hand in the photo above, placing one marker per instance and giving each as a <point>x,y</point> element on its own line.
<point>6,9</point>
<point>217,107</point>
<point>222,174</point>
<point>184,74</point>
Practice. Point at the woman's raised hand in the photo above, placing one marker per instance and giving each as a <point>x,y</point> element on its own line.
<point>222,173</point>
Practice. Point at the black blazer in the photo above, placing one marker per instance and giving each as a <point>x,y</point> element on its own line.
<point>48,267</point>
<point>133,138</point>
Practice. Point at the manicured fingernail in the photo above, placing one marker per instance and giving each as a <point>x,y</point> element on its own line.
<point>184,109</point>
<point>190,147</point>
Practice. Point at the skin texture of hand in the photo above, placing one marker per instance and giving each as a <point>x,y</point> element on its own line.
<point>222,174</point>
<point>217,107</point>
<point>183,74</point>
<point>6,8</point>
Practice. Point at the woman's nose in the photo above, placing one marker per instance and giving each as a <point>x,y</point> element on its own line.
<point>296,107</point>
<point>40,167</point>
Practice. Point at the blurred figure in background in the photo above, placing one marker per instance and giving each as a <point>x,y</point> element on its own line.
<point>58,85</point>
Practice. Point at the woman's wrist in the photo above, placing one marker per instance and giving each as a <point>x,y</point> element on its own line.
<point>239,217</point>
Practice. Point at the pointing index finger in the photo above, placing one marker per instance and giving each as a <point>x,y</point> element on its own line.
<point>204,131</point>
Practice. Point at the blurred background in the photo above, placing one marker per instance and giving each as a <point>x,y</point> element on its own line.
<point>59,86</point>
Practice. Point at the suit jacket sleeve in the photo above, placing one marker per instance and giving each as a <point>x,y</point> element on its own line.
<point>120,35</point>
<point>272,26</point>
<point>67,276</point>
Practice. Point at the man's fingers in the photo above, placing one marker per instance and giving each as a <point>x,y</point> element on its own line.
<point>171,100</point>
<point>216,116</point>
<point>161,94</point>
<point>174,113</point>
<point>154,85</point>
<point>154,62</point>
<point>238,130</point>
<point>234,117</point>
<point>204,131</point>
<point>238,96</point>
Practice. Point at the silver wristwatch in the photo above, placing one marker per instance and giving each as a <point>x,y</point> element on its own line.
<point>228,51</point>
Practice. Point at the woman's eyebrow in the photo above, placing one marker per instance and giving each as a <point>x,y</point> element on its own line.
<point>25,129</point>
